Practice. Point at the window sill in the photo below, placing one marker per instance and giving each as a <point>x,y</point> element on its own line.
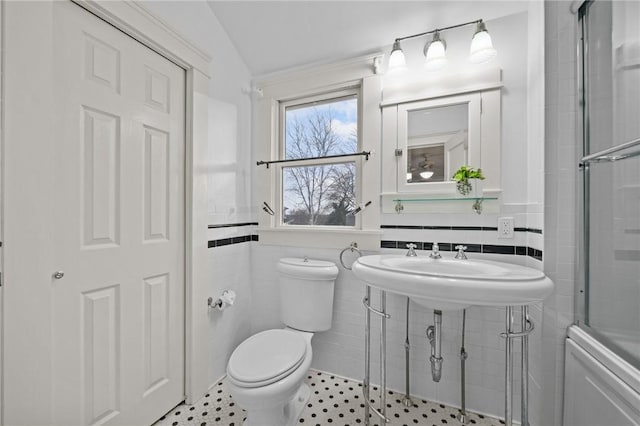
<point>321,238</point>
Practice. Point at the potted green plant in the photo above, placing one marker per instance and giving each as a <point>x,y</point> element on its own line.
<point>464,183</point>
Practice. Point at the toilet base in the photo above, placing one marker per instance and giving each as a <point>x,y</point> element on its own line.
<point>286,415</point>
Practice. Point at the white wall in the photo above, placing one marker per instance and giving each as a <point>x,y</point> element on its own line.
<point>229,171</point>
<point>341,349</point>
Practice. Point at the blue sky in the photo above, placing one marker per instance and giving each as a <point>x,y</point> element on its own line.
<point>344,111</point>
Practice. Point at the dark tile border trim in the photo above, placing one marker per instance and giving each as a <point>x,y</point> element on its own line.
<point>471,248</point>
<point>458,228</point>
<point>233,240</point>
<point>231,225</point>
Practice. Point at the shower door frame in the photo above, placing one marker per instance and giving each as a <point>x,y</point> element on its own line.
<point>581,295</point>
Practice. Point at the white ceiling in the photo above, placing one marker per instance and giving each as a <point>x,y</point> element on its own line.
<point>276,35</point>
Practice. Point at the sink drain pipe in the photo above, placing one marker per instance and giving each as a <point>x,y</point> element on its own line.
<point>434,334</point>
<point>462,415</point>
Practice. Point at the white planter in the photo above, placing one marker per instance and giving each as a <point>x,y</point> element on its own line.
<point>473,190</point>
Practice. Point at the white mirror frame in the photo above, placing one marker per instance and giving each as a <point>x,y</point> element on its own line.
<point>402,141</point>
<point>485,154</point>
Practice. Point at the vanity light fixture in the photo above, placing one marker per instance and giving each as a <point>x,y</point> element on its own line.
<point>435,53</point>
<point>481,49</point>
<point>396,59</point>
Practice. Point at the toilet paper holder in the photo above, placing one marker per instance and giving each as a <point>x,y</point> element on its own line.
<point>228,298</point>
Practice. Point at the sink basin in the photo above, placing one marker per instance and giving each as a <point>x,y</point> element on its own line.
<point>450,284</point>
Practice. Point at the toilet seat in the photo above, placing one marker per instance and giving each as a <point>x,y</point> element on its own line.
<point>266,357</point>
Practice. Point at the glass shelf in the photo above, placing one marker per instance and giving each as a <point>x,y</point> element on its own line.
<point>477,201</point>
<point>427,200</point>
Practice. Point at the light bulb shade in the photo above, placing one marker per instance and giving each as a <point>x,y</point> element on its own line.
<point>426,175</point>
<point>481,50</point>
<point>436,55</point>
<point>396,59</point>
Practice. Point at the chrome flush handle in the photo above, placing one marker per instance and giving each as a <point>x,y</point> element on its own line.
<point>58,275</point>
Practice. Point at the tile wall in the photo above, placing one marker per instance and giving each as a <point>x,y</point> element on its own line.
<point>561,188</point>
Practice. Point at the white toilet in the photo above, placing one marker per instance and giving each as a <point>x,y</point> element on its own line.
<point>266,372</point>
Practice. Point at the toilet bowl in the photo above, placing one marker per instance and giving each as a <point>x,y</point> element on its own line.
<point>265,375</point>
<point>266,372</point>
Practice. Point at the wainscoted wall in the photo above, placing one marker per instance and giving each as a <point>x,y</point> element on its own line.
<point>230,252</point>
<point>341,349</point>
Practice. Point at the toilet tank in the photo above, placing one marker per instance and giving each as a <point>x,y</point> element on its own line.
<point>306,293</point>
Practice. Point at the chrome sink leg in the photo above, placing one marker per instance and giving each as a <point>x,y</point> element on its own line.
<point>527,328</point>
<point>526,325</point>
<point>508,376</point>
<point>406,400</point>
<point>366,385</point>
<point>462,414</point>
<point>367,354</point>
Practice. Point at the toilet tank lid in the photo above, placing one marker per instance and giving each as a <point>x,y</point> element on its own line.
<point>306,268</point>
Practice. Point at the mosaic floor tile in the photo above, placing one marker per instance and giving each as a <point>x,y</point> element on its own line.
<point>334,401</point>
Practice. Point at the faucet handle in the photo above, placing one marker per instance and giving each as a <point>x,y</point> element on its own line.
<point>435,251</point>
<point>461,254</point>
<point>412,250</point>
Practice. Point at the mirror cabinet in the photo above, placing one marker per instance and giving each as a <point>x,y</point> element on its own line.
<point>426,140</point>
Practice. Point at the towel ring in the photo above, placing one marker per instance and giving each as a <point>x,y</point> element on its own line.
<point>352,247</point>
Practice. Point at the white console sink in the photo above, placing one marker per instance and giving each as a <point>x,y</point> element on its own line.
<point>451,284</point>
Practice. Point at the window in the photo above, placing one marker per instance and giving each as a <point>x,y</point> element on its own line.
<point>320,191</point>
<point>312,185</point>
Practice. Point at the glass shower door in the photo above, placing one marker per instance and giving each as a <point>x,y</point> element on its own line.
<point>610,71</point>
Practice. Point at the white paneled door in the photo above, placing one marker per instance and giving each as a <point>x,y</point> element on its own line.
<point>117,286</point>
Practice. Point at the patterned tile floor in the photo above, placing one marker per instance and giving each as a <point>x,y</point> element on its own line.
<point>334,401</point>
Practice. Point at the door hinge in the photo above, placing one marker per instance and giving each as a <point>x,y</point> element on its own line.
<point>399,152</point>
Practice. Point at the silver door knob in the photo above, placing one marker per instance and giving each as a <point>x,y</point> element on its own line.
<point>58,274</point>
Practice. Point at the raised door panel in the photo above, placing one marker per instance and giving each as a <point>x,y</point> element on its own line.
<point>101,336</point>
<point>156,184</point>
<point>157,338</point>
<point>101,178</point>
<point>102,63</point>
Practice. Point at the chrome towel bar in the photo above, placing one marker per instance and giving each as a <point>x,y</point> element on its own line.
<point>606,154</point>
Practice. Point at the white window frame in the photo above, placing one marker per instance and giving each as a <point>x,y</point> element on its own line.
<point>299,87</point>
<point>279,189</point>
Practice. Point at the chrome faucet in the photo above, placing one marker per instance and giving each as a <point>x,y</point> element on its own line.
<point>435,252</point>
<point>461,254</point>
<point>412,250</point>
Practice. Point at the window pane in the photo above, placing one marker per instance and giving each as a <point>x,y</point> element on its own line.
<point>322,128</point>
<point>319,195</point>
